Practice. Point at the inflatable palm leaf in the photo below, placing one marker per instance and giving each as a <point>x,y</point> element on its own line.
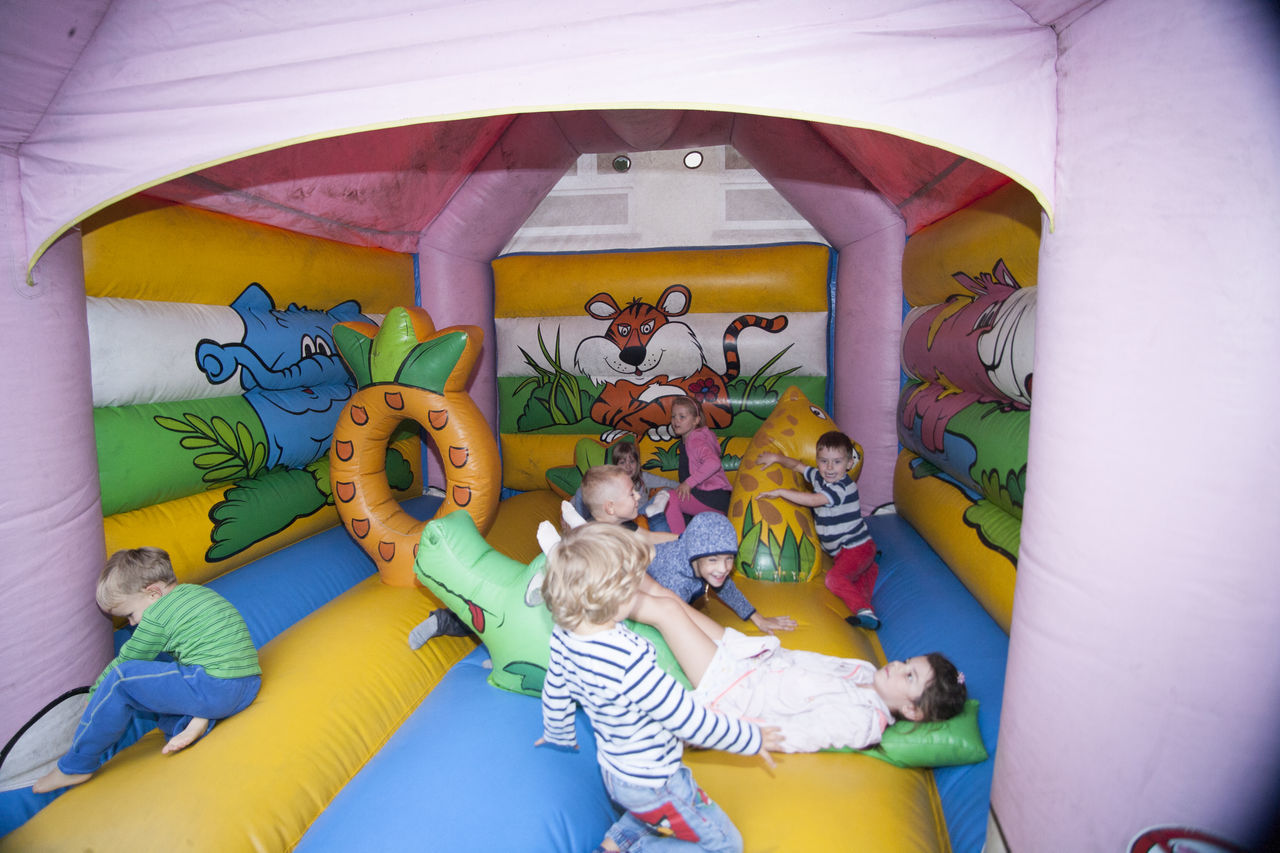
<point>407,350</point>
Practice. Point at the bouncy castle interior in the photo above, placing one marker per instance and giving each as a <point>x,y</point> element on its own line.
<point>284,282</point>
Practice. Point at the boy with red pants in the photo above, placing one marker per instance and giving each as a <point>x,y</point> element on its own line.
<point>837,514</point>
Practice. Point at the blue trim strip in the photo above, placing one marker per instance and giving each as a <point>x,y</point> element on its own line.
<point>417,282</point>
<point>832,267</point>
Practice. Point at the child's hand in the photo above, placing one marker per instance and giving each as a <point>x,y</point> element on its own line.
<point>772,493</point>
<point>543,742</point>
<point>768,457</point>
<point>769,624</point>
<point>771,739</point>
<point>684,491</point>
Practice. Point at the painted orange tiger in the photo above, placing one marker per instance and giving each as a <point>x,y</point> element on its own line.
<point>646,359</point>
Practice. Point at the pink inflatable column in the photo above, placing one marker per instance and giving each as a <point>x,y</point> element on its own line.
<point>869,235</point>
<point>1142,682</point>
<point>52,637</point>
<point>454,251</point>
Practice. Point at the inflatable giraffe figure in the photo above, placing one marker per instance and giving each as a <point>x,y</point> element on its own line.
<point>407,370</point>
<point>778,539</point>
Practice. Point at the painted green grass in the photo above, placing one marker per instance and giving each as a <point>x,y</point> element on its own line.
<point>556,400</point>
<point>767,558</point>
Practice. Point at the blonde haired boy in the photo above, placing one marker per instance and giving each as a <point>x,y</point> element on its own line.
<point>641,714</point>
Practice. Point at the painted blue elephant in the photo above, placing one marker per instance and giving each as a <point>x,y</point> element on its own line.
<point>290,371</point>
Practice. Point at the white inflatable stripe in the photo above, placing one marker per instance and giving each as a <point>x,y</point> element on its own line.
<point>806,332</point>
<point>144,352</point>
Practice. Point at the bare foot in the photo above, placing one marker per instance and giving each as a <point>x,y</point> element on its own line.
<point>55,779</point>
<point>187,736</point>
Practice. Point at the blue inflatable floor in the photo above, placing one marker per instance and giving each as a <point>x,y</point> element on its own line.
<point>462,774</point>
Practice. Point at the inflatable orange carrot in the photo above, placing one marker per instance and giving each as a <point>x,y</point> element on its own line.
<point>406,370</point>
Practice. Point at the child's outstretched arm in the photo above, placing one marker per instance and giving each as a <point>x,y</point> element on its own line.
<point>744,610</point>
<point>796,496</point>
<point>558,724</point>
<point>657,537</point>
<point>768,457</point>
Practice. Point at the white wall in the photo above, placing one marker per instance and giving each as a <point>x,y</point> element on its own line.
<point>659,202</point>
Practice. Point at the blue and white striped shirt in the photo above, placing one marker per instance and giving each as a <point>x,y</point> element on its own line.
<point>839,523</point>
<point>640,713</point>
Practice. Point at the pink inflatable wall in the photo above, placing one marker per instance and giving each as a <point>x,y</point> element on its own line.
<point>1142,680</point>
<point>50,514</point>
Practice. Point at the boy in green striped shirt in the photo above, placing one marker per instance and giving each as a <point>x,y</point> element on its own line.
<point>214,672</point>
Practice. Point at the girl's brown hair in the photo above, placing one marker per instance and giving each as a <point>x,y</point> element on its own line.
<point>692,406</point>
<point>626,449</point>
<point>944,696</point>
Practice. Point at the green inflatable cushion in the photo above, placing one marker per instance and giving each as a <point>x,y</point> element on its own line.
<point>944,744</point>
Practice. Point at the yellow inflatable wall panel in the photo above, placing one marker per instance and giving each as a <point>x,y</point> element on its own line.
<point>181,527</point>
<point>1007,222</point>
<point>936,509</point>
<point>514,529</point>
<point>769,279</point>
<point>828,800</point>
<point>527,456</point>
<point>333,692</point>
<point>144,248</point>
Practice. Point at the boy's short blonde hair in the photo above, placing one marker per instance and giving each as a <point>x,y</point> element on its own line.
<point>598,484</point>
<point>593,571</point>
<point>130,571</point>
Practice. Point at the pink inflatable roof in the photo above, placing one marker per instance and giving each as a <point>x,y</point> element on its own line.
<point>107,98</point>
<point>1142,680</point>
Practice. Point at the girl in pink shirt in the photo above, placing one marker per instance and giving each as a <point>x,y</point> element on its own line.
<point>703,484</point>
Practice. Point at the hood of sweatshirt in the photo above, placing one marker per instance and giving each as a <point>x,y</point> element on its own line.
<point>708,533</point>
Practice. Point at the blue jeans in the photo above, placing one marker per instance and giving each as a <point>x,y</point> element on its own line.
<point>173,693</point>
<point>679,808</point>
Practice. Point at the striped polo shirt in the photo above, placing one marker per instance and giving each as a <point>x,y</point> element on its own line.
<point>839,523</point>
<point>639,712</point>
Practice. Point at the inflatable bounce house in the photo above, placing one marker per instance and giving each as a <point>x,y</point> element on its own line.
<point>336,302</point>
